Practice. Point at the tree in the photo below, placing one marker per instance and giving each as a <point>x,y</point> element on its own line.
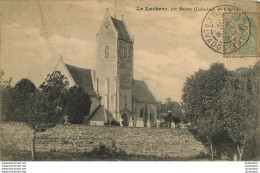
<point>40,115</point>
<point>55,87</point>
<point>5,96</point>
<point>44,107</point>
<point>201,95</point>
<point>239,103</point>
<point>76,105</point>
<point>19,95</point>
<point>168,119</point>
<point>176,119</point>
<point>4,83</point>
<point>173,110</point>
<point>168,100</point>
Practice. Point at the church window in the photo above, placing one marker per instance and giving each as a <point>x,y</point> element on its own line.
<point>125,52</point>
<point>106,27</point>
<point>125,101</point>
<point>125,82</point>
<point>106,51</point>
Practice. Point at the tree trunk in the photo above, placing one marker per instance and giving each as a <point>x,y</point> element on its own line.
<point>33,145</point>
<point>211,152</point>
<point>241,150</point>
<point>240,156</point>
<point>211,149</point>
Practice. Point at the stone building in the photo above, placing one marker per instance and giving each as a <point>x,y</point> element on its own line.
<point>114,93</point>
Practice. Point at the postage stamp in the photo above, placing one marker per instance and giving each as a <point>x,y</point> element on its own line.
<point>228,30</point>
<point>234,47</point>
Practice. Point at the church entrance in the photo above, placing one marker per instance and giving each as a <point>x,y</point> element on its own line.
<point>125,119</point>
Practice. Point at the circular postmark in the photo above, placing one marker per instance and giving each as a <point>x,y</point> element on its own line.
<point>225,29</point>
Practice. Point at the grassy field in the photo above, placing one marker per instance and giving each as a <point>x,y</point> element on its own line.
<point>81,142</point>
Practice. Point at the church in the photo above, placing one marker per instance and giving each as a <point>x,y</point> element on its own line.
<point>115,94</point>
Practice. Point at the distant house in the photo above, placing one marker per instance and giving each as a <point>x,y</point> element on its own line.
<point>114,93</point>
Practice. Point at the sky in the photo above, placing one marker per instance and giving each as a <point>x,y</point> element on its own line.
<point>168,46</point>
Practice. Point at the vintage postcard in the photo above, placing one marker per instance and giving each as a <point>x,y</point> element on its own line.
<point>141,80</point>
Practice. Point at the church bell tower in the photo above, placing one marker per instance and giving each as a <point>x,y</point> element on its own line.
<point>114,68</point>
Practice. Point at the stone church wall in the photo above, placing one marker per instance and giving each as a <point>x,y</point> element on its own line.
<point>125,74</point>
<point>151,108</point>
<point>106,67</point>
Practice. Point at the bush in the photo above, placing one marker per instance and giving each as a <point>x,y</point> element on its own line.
<point>202,155</point>
<point>15,100</point>
<point>76,104</point>
<point>112,123</point>
<point>103,151</point>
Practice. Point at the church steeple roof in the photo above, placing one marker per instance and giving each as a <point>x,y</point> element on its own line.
<point>122,30</point>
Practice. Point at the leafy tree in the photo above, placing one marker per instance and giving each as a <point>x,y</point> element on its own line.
<point>173,110</point>
<point>176,119</point>
<point>4,83</point>
<point>55,87</point>
<point>168,100</point>
<point>168,119</point>
<point>7,106</point>
<point>44,107</point>
<point>76,105</point>
<point>239,103</point>
<point>40,115</point>
<point>19,95</point>
<point>201,95</point>
<point>172,106</point>
<point>5,96</point>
